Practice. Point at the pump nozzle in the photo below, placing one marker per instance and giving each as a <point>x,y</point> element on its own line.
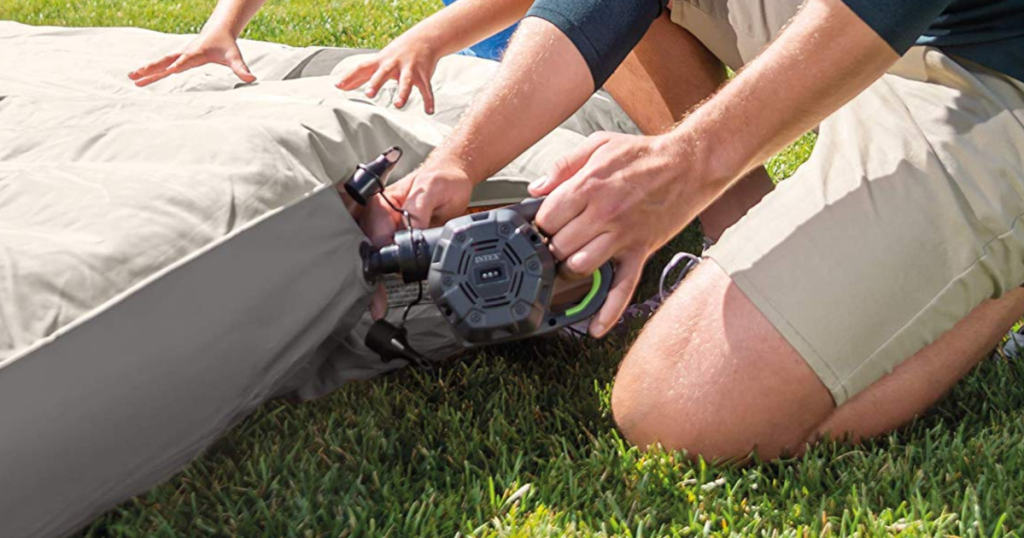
<point>409,256</point>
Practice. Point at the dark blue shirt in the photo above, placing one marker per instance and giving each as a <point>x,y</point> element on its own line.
<point>988,32</point>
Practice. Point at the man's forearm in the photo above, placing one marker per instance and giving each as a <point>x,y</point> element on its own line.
<point>232,16</point>
<point>469,21</point>
<point>821,61</point>
<point>541,82</point>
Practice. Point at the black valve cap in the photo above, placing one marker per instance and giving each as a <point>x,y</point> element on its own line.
<point>368,178</point>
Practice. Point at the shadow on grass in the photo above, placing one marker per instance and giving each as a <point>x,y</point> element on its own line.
<point>518,440</point>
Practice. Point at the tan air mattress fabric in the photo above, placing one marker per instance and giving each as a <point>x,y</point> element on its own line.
<point>171,257</point>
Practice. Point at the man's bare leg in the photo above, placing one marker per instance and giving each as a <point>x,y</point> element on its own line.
<point>668,74</point>
<point>711,375</point>
<point>921,380</point>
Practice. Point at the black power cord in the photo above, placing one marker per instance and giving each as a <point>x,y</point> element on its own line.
<point>396,337</point>
<point>407,218</point>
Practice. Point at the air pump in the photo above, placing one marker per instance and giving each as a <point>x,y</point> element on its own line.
<point>491,273</point>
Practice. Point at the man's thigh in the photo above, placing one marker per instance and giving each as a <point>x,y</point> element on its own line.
<point>665,75</point>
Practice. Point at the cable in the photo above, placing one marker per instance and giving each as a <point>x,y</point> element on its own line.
<point>407,217</point>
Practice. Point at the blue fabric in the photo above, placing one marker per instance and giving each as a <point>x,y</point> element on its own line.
<point>491,48</point>
<point>604,31</point>
<point>988,32</point>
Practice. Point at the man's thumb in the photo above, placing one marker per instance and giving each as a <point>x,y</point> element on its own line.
<point>566,167</point>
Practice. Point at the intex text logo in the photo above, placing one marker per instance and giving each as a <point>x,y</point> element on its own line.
<point>487,258</point>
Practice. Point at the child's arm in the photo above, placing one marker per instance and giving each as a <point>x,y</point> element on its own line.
<point>215,44</point>
<point>412,57</point>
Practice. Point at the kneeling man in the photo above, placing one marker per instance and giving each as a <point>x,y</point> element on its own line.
<point>844,302</point>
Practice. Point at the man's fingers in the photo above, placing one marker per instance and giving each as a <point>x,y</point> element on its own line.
<point>560,208</point>
<point>428,95</point>
<point>568,166</point>
<point>420,206</point>
<point>379,302</point>
<point>565,202</point>
<point>377,80</point>
<point>183,63</point>
<point>404,88</point>
<point>378,223</point>
<point>575,235</point>
<point>357,76</point>
<point>627,275</point>
<point>146,81</point>
<point>186,62</point>
<point>153,67</point>
<point>588,258</point>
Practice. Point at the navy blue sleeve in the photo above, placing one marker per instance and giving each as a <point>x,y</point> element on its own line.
<point>604,31</point>
<point>898,22</point>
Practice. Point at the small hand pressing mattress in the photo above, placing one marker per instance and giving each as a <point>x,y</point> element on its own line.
<point>171,257</point>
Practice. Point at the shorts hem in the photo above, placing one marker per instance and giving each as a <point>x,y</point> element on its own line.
<point>814,360</point>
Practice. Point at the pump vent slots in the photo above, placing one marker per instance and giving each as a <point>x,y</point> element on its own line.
<point>512,254</point>
<point>485,245</point>
<point>497,302</point>
<point>517,283</point>
<point>468,291</point>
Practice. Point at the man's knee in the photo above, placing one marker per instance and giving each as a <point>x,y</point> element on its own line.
<point>638,407</point>
<point>711,376</point>
<point>654,403</point>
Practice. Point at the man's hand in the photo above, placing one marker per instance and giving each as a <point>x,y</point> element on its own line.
<point>432,195</point>
<point>406,59</point>
<point>214,47</point>
<point>618,197</point>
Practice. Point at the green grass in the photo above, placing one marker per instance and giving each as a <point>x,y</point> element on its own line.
<point>519,441</point>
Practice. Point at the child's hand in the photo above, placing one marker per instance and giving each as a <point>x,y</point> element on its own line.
<point>405,59</point>
<point>215,47</point>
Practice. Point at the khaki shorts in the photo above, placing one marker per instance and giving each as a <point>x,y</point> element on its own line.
<point>906,217</point>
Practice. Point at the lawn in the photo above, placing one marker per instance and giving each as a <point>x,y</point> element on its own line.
<point>519,441</point>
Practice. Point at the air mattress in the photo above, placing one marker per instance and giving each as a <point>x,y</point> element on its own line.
<point>171,257</point>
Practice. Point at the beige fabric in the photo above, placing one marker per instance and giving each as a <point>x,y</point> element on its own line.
<point>905,218</point>
<point>172,257</point>
<point>736,31</point>
<point>104,183</point>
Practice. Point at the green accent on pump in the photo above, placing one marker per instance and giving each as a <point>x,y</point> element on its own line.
<point>595,285</point>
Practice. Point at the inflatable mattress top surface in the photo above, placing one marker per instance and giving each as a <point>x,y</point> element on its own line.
<point>103,185</point>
